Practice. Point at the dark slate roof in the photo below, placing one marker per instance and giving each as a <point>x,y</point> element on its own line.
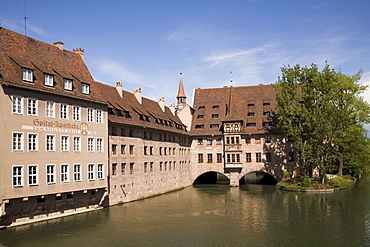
<point>234,104</point>
<point>127,110</point>
<point>18,51</point>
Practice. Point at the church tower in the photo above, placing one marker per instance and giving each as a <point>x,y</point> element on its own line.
<point>181,97</point>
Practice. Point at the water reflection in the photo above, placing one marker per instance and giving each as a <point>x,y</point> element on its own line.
<point>214,215</point>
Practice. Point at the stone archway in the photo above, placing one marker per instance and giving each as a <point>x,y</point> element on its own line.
<point>211,177</point>
<point>258,177</point>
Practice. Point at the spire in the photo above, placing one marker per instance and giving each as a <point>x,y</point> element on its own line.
<point>181,97</point>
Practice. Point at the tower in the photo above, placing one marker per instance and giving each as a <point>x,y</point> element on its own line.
<point>181,97</point>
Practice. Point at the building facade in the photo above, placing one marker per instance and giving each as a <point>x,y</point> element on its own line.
<point>54,131</point>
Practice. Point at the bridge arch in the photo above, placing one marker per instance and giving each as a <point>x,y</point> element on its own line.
<point>258,177</point>
<point>211,177</point>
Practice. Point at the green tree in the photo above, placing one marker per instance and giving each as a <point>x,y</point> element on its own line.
<point>320,111</point>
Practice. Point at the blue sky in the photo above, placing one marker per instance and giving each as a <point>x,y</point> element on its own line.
<point>148,43</point>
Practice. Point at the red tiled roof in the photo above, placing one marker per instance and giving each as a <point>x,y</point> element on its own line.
<point>18,51</point>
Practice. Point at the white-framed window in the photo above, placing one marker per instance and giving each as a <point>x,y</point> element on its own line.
<point>27,75</point>
<point>64,173</point>
<point>32,142</point>
<point>65,143</point>
<point>77,172</point>
<point>17,141</point>
<point>17,176</point>
<point>100,171</point>
<point>33,175</point>
<point>50,174</point>
<point>32,107</point>
<point>99,144</point>
<point>17,104</point>
<point>99,116</point>
<point>85,88</point>
<point>77,144</point>
<point>76,113</point>
<point>49,80</point>
<point>50,109</point>
<point>90,144</point>
<point>50,142</point>
<point>91,172</point>
<point>63,111</point>
<point>90,115</point>
<point>67,84</point>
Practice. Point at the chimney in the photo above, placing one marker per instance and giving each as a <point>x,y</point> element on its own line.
<point>172,108</point>
<point>138,93</point>
<point>119,88</point>
<point>59,44</point>
<point>161,103</point>
<point>81,52</point>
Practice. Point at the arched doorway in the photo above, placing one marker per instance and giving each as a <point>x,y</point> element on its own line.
<point>211,178</point>
<point>258,177</point>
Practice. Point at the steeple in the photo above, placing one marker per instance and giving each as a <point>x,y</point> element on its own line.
<point>181,97</point>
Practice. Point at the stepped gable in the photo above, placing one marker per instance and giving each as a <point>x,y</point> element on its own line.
<point>127,110</point>
<point>18,51</point>
<point>234,104</point>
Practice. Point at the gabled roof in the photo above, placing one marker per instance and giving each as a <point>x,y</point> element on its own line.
<point>18,51</point>
<point>149,109</point>
<point>215,106</point>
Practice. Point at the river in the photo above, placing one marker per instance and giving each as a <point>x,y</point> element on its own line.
<point>213,215</point>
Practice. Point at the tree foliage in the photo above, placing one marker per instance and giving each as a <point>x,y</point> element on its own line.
<point>323,113</point>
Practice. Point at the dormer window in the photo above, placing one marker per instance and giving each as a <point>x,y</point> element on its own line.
<point>27,75</point>
<point>266,104</point>
<point>215,107</point>
<point>201,107</point>
<point>85,88</point>
<point>67,84</point>
<point>49,80</point>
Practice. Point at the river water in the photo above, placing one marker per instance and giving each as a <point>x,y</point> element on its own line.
<point>214,215</point>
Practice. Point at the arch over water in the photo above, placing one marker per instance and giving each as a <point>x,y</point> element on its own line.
<point>211,177</point>
<point>258,177</point>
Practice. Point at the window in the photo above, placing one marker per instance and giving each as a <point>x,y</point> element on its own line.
<point>123,168</point>
<point>209,141</point>
<point>145,167</point>
<point>99,116</point>
<point>219,158</point>
<point>90,115</point>
<point>251,124</point>
<point>49,80</point>
<point>77,172</point>
<point>77,144</point>
<point>251,105</point>
<point>237,140</point>
<point>17,105</point>
<point>50,109</point>
<point>113,131</point>
<point>17,176</point>
<point>214,115</point>
<point>114,148</point>
<point>91,171</point>
<point>291,156</point>
<point>132,168</point>
<point>65,143</point>
<point>67,84</point>
<point>50,174</point>
<point>258,157</point>
<point>247,140</point>
<point>27,75</point>
<point>227,140</point>
<point>209,158</point>
<point>248,157</point>
<point>17,141</point>
<point>257,140</point>
<point>218,141</point>
<point>215,107</point>
<point>200,141</point>
<point>151,150</point>
<point>32,175</point>
<point>76,113</point>
<point>268,157</point>
<point>64,178</point>
<point>199,126</point>
<point>32,142</point>
<point>266,113</point>
<point>214,126</point>
<point>266,123</point>
<point>145,150</point>
<point>200,116</point>
<point>267,139</point>
<point>131,149</point>
<point>266,104</point>
<point>123,149</point>
<point>100,171</point>
<point>99,145</point>
<point>151,166</point>
<point>85,88</point>
<point>50,143</point>
<point>90,144</point>
<point>250,114</point>
<point>201,107</point>
<point>63,111</point>
<point>32,107</point>
<point>200,158</point>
